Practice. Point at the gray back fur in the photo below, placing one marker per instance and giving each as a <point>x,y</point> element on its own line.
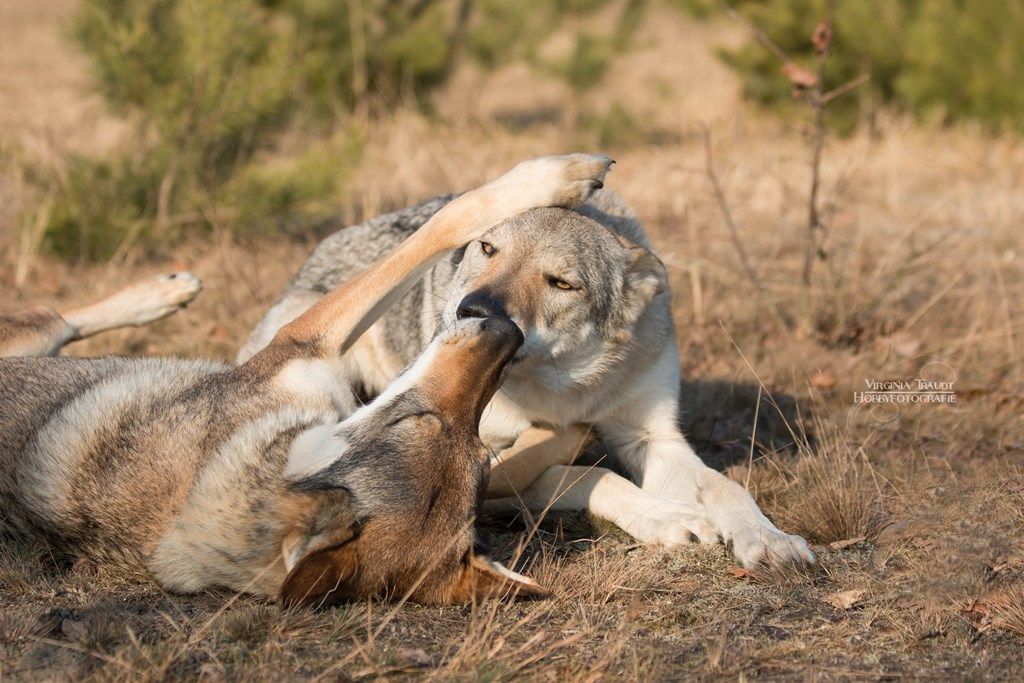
<point>99,455</point>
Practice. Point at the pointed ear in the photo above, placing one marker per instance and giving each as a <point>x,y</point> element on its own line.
<point>318,550</point>
<point>646,276</point>
<point>484,578</point>
<point>323,577</point>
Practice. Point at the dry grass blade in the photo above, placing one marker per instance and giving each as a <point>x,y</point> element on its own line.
<point>925,230</point>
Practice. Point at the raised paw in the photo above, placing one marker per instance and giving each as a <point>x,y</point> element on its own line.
<point>567,180</point>
<point>763,545</point>
<point>149,300</point>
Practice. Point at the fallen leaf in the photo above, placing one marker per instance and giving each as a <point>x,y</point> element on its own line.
<point>979,612</point>
<point>841,545</point>
<point>800,77</point>
<point>741,573</point>
<point>823,380</point>
<point>844,599</point>
<point>1007,562</point>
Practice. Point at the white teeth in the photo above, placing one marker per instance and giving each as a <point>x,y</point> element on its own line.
<point>509,574</point>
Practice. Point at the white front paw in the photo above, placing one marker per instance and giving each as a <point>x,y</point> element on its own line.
<point>669,524</point>
<point>567,180</point>
<point>759,544</point>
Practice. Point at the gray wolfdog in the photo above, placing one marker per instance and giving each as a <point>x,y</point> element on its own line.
<point>591,298</point>
<point>264,477</point>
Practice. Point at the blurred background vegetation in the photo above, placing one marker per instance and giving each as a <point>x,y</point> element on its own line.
<point>213,89</point>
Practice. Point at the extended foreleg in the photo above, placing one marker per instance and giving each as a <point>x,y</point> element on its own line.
<point>333,324</point>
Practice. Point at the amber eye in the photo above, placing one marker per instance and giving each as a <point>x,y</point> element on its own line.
<point>559,283</point>
<point>487,248</point>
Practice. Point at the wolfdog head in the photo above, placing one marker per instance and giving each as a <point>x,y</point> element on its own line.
<point>573,286</point>
<point>383,504</point>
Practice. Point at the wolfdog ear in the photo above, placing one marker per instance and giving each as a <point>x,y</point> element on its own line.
<point>323,577</point>
<point>482,578</point>
<point>645,279</point>
<point>646,273</point>
<point>317,551</point>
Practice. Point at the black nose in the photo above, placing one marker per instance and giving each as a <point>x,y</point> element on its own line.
<point>477,305</point>
<point>503,326</point>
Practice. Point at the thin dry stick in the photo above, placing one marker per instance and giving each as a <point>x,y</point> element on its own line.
<point>817,101</point>
<point>734,231</point>
<point>693,269</point>
<point>845,88</point>
<point>357,30</point>
<point>817,98</point>
<point>759,35</point>
<point>753,438</point>
<point>723,205</point>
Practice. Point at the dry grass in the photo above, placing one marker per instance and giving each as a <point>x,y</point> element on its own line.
<point>925,276</point>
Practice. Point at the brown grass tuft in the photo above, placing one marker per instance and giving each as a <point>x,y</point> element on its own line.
<point>827,494</point>
<point>924,271</point>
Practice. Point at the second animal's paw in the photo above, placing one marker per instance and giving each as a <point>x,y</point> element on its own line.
<point>567,180</point>
<point>149,300</point>
<point>766,545</point>
<point>668,523</point>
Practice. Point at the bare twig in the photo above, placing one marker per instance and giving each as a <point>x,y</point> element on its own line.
<point>734,231</point>
<point>759,35</point>
<point>816,98</point>
<point>845,88</point>
<point>360,78</point>
<point>809,86</point>
<point>723,206</point>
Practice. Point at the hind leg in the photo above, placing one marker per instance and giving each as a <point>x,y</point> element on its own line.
<point>37,331</point>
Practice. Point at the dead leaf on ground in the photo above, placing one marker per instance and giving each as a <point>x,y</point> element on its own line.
<point>844,599</point>
<point>1001,608</point>
<point>823,380</point>
<point>979,610</point>
<point>1005,563</point>
<point>741,573</point>
<point>846,543</point>
<point>83,566</point>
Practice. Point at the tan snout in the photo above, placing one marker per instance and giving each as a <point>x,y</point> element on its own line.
<point>468,366</point>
